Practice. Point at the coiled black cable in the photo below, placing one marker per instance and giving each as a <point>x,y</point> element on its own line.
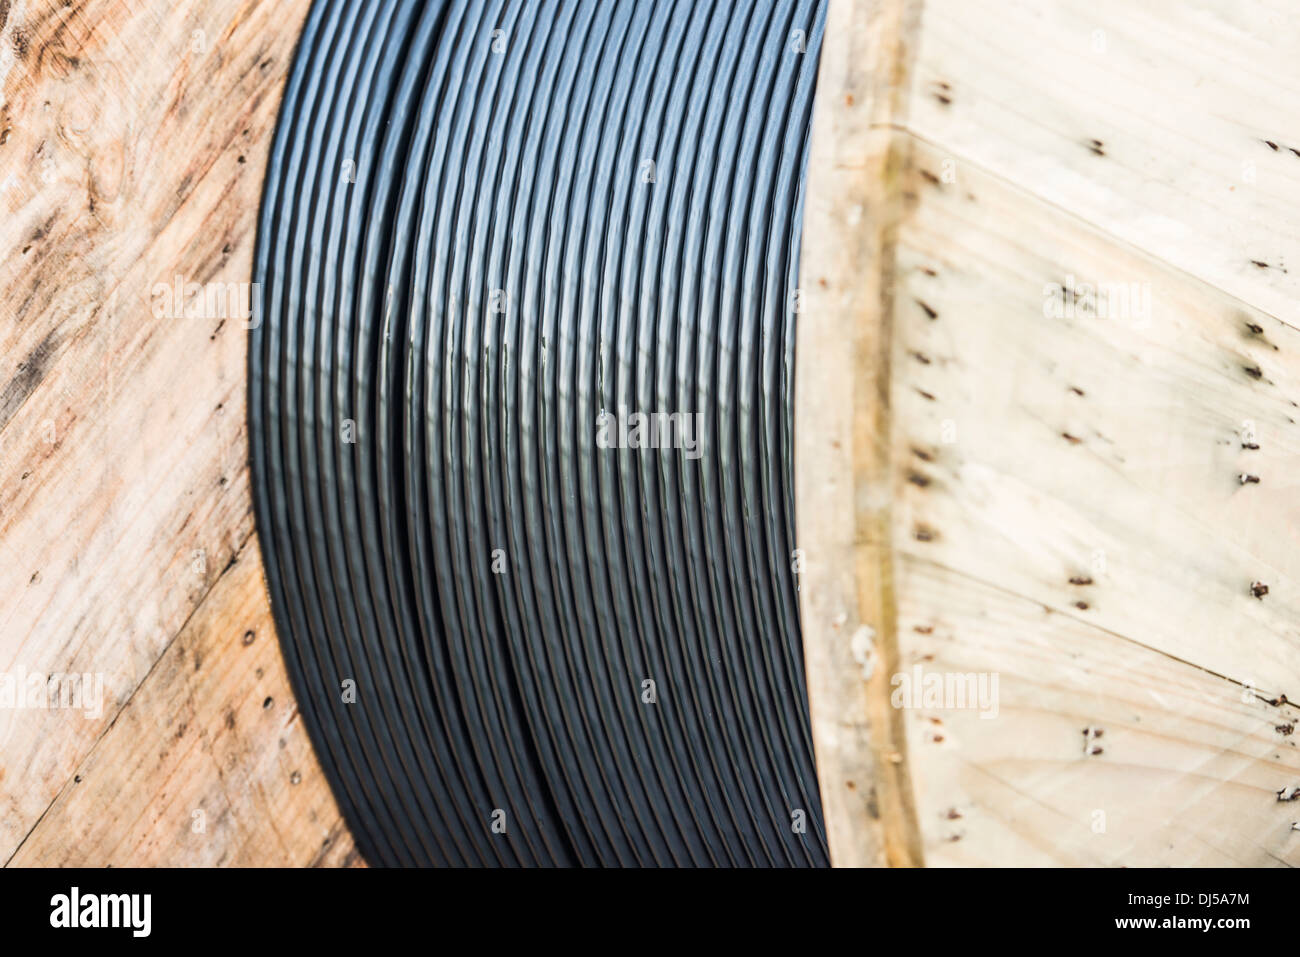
<point>492,234</point>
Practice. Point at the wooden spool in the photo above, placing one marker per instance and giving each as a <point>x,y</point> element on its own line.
<point>962,456</point>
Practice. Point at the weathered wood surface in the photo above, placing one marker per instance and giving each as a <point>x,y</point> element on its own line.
<point>133,139</point>
<point>842,468</point>
<point>962,456</point>
<point>1059,498</point>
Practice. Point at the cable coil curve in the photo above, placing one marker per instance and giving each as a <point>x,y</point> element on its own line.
<point>520,418</point>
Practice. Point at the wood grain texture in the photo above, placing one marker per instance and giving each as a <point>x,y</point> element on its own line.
<point>844,515</point>
<point>1082,490</point>
<point>208,763</point>
<point>133,138</point>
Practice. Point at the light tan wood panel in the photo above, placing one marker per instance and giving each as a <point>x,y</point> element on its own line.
<point>1172,124</point>
<point>208,764</point>
<point>1180,768</point>
<point>133,140</point>
<point>1095,463</point>
<point>1047,423</point>
<point>842,474</point>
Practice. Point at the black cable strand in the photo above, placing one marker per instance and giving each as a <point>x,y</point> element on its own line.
<point>617,629</point>
<point>496,607</point>
<point>640,368</point>
<point>325,735</point>
<point>555,217</point>
<point>447,413</point>
<point>358,614</point>
<point>317,673</point>
<point>381,331</point>
<point>334,600</point>
<point>572,727</point>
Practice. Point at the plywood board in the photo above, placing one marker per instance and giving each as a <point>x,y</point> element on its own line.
<point>1057,410</point>
<point>133,137</point>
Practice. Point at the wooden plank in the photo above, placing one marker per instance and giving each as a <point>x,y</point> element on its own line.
<point>1174,125</point>
<point>1186,770</point>
<point>841,407</point>
<point>1059,450</point>
<point>1083,472</point>
<point>133,136</point>
<point>208,764</point>
<point>1047,431</point>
